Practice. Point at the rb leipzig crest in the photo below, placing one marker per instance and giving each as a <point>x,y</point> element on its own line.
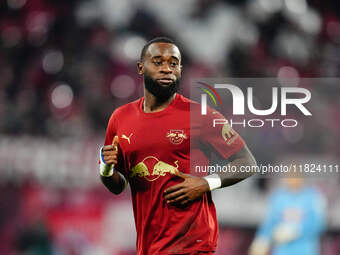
<point>176,136</point>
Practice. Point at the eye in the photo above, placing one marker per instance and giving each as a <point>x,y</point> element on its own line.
<point>157,63</point>
<point>174,64</point>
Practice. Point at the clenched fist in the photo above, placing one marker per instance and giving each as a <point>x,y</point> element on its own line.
<point>110,152</point>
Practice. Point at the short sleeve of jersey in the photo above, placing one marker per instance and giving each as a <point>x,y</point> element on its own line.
<point>111,132</point>
<point>216,132</point>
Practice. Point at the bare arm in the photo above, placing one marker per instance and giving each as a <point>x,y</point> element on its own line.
<point>242,158</point>
<point>194,187</point>
<point>115,183</point>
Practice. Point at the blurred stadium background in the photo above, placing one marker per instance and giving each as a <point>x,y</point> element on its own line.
<point>65,65</point>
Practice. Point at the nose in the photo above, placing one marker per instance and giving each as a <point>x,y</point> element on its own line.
<point>166,69</point>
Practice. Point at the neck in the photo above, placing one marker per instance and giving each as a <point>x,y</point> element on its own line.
<point>151,104</point>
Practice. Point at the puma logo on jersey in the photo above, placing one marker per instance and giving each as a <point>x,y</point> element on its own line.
<point>127,137</point>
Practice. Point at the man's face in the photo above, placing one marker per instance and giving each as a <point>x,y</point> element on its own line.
<point>161,69</point>
<point>294,183</point>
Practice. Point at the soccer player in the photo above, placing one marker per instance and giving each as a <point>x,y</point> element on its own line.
<point>294,223</point>
<point>149,144</point>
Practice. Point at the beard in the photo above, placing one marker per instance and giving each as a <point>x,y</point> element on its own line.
<point>162,93</point>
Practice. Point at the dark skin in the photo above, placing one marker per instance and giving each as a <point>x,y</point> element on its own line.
<point>194,187</point>
<point>116,182</point>
<point>162,62</point>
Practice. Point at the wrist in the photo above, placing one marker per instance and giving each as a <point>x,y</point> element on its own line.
<point>105,170</point>
<point>214,181</point>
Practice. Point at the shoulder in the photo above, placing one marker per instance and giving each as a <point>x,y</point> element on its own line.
<point>313,193</point>
<point>123,112</point>
<point>196,106</point>
<point>126,109</point>
<point>196,112</point>
<point>184,102</point>
<point>316,199</point>
<point>278,195</point>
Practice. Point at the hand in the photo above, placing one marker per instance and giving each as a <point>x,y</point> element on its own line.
<point>110,152</point>
<point>285,232</point>
<point>260,246</point>
<point>189,190</point>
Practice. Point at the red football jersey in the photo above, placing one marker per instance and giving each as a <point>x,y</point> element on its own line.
<point>152,146</point>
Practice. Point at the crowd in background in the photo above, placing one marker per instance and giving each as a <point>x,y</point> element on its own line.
<point>63,63</point>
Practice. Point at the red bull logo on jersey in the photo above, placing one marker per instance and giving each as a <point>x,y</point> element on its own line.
<point>176,136</point>
<point>151,168</point>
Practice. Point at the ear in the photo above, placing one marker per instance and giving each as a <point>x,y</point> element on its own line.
<point>140,68</point>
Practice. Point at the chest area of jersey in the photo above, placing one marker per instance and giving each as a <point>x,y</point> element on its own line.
<point>155,136</point>
<point>155,148</point>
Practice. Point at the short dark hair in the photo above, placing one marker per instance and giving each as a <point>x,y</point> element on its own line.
<point>155,40</point>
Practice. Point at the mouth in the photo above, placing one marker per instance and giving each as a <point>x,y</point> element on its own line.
<point>165,81</point>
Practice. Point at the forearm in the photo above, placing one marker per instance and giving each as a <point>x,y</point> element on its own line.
<point>194,187</point>
<point>237,173</point>
<point>115,183</point>
<point>113,180</point>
